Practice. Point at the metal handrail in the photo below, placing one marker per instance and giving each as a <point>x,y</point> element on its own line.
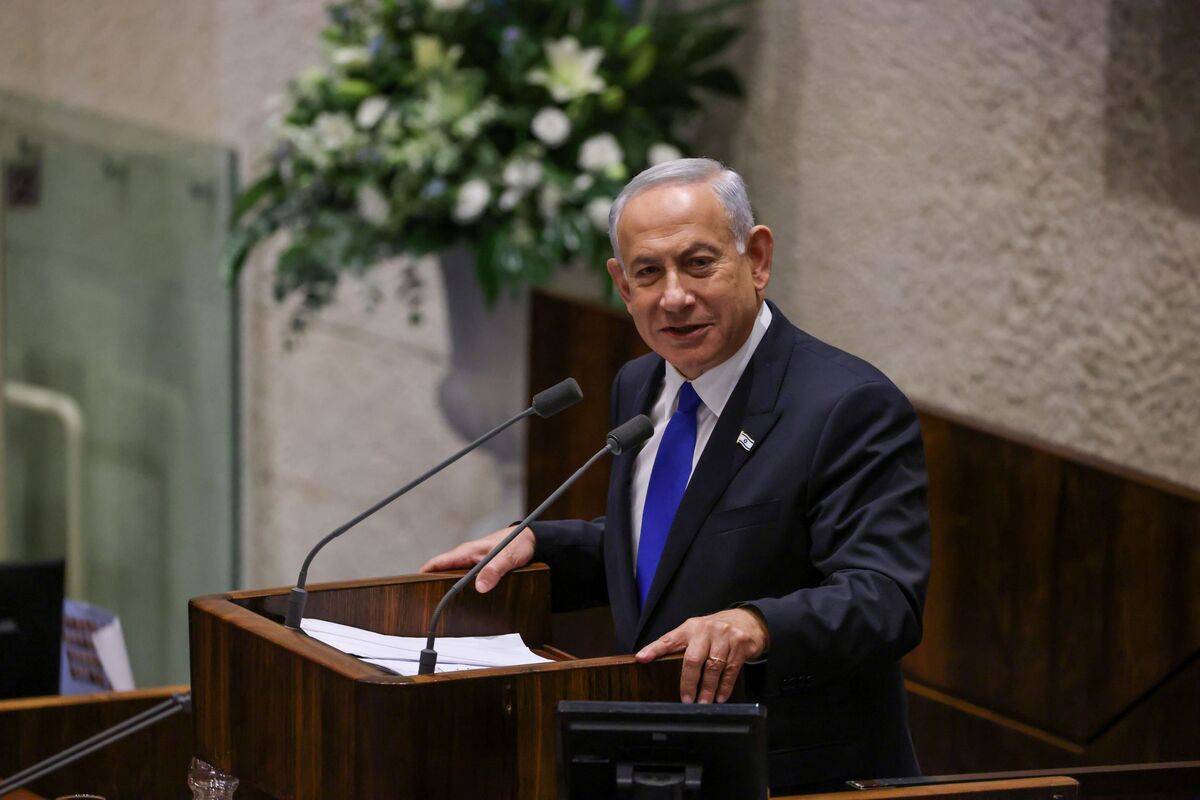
<point>68,412</point>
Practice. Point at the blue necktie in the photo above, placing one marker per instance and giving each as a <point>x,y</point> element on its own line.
<point>668,479</point>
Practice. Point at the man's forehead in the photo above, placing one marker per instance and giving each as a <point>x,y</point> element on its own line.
<point>664,211</point>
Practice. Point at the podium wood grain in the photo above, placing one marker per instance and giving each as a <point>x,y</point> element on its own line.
<point>294,718</point>
<point>150,763</point>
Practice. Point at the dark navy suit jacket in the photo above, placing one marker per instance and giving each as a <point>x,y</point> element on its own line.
<point>821,525</point>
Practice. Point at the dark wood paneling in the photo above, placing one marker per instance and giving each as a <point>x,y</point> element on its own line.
<point>589,344</point>
<point>1049,788</point>
<point>150,763</point>
<point>1062,618</point>
<point>1063,593</point>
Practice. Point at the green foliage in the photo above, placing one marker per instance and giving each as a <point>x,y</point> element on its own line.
<point>506,126</point>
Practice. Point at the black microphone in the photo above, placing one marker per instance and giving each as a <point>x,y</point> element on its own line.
<point>546,403</point>
<point>625,436</point>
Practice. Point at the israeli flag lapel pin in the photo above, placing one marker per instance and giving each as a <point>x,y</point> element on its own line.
<point>745,441</point>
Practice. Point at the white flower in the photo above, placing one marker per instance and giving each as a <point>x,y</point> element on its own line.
<point>390,128</point>
<point>370,111</point>
<point>372,205</point>
<point>334,131</point>
<point>582,182</point>
<point>473,197</point>
<point>550,200</point>
<point>449,5</point>
<point>572,71</point>
<point>522,174</point>
<point>308,81</point>
<point>509,199</point>
<point>600,152</point>
<point>551,126</point>
<point>430,53</point>
<point>472,123</point>
<point>597,211</point>
<point>349,57</point>
<point>661,153</point>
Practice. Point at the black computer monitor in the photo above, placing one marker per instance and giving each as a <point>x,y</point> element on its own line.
<point>31,605</point>
<point>661,750</point>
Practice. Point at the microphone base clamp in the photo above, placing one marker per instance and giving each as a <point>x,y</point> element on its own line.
<point>297,599</point>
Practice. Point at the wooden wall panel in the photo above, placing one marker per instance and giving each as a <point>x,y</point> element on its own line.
<point>1062,590</point>
<point>591,352</point>
<point>150,763</point>
<point>1062,618</point>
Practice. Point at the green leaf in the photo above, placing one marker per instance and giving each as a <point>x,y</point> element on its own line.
<point>634,38</point>
<point>233,254</point>
<point>721,80</point>
<point>352,90</point>
<point>265,185</point>
<point>613,98</point>
<point>701,12</point>
<point>711,42</point>
<point>641,65</point>
<point>486,269</point>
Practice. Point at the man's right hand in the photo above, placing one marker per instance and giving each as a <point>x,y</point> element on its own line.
<point>518,553</point>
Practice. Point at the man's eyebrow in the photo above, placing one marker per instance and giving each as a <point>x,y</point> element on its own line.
<point>690,250</point>
<point>645,259</point>
<point>696,247</point>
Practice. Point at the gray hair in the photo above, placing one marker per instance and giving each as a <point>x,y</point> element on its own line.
<point>727,184</point>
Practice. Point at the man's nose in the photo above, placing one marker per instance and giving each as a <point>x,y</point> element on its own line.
<point>675,296</point>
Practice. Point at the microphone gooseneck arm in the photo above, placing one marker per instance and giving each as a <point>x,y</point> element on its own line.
<point>630,434</point>
<point>546,403</point>
<point>299,596</point>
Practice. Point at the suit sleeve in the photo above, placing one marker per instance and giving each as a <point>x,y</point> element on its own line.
<point>574,548</point>
<point>869,540</point>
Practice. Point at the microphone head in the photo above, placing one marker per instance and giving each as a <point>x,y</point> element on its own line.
<point>558,397</point>
<point>629,434</point>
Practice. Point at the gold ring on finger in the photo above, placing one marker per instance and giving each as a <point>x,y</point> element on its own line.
<point>718,660</point>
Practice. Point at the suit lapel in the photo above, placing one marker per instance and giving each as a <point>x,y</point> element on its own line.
<point>623,596</point>
<point>751,409</point>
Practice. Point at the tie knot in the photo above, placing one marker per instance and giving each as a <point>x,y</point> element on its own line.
<point>688,399</point>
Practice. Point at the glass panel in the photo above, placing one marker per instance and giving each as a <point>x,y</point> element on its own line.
<point>119,334</point>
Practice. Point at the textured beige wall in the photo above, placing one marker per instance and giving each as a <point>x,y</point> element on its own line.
<point>350,412</point>
<point>980,197</point>
<point>996,202</point>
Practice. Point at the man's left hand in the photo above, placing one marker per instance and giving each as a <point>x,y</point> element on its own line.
<point>714,649</point>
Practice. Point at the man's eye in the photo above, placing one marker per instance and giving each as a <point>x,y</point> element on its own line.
<point>701,262</point>
<point>647,272</point>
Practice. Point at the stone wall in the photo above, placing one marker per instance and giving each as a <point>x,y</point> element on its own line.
<point>998,203</point>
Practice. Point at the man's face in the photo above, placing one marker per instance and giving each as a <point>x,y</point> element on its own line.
<point>692,296</point>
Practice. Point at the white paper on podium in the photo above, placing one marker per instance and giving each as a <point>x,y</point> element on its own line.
<point>402,654</point>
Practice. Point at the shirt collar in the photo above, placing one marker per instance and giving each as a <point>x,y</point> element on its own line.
<point>715,385</point>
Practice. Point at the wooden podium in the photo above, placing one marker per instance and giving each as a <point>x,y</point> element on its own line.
<point>293,718</point>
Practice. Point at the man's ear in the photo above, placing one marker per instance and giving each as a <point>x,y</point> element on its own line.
<point>619,278</point>
<point>760,248</point>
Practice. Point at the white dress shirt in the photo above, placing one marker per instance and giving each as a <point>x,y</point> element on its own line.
<point>713,387</point>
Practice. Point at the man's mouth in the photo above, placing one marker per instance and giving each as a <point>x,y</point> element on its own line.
<point>686,331</point>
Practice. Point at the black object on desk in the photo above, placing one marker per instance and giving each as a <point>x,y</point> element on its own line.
<point>661,750</point>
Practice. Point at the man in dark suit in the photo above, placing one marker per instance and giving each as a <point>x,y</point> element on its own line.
<point>775,520</point>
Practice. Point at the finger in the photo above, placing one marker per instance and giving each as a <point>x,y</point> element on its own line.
<point>714,668</point>
<point>504,562</point>
<point>671,642</point>
<point>693,666</point>
<point>730,675</point>
<point>453,559</point>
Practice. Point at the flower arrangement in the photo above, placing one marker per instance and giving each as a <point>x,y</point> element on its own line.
<point>506,126</point>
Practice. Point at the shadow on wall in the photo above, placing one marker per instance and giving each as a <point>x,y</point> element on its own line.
<point>1152,102</point>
